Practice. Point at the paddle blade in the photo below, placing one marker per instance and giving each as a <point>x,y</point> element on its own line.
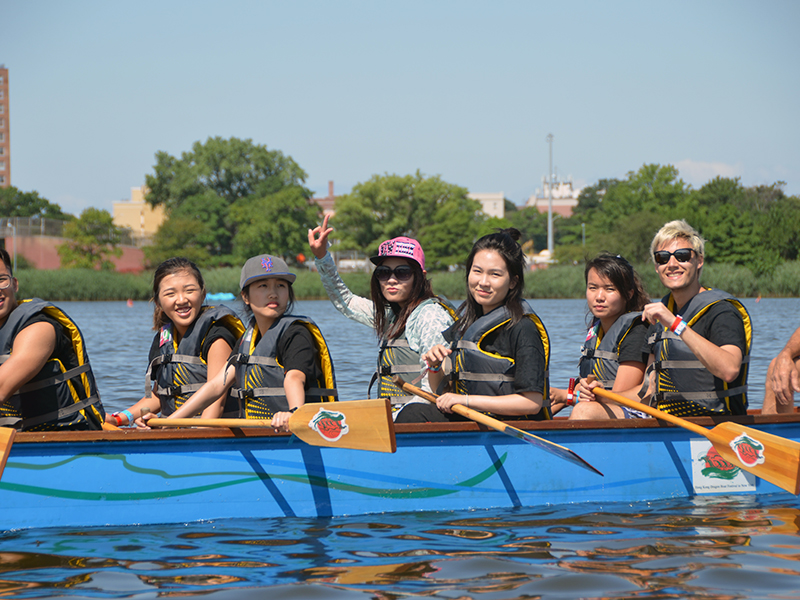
<point>355,424</point>
<point>6,440</point>
<point>770,457</point>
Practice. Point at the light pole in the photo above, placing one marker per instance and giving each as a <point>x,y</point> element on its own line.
<point>550,199</point>
<point>14,238</point>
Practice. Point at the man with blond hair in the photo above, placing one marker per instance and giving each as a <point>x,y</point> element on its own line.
<point>699,338</point>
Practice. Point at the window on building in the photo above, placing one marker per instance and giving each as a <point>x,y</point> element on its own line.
<point>2,122</point>
<point>2,165</point>
<point>1,80</point>
<point>2,151</point>
<point>2,179</point>
<point>1,94</point>
<point>2,108</point>
<point>2,137</point>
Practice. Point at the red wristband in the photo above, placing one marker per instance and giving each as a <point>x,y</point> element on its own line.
<point>675,324</point>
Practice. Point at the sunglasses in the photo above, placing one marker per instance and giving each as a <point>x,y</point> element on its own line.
<point>681,255</point>
<point>401,273</point>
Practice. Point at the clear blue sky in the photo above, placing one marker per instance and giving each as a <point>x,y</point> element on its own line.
<point>466,90</point>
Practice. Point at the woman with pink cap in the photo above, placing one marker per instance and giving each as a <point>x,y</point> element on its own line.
<point>403,310</point>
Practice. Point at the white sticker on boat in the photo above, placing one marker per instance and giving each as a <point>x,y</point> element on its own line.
<point>712,474</point>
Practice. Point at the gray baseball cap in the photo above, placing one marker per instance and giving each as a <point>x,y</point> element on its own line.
<point>265,266</point>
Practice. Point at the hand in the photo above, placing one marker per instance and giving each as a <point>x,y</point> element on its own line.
<point>141,422</point>
<point>435,356</point>
<point>280,421</point>
<point>445,402</point>
<point>585,388</point>
<point>657,312</point>
<point>319,245</point>
<point>785,379</point>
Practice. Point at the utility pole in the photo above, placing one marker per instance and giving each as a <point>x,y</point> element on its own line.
<point>550,199</point>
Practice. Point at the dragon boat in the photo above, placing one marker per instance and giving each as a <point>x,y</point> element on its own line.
<point>124,477</point>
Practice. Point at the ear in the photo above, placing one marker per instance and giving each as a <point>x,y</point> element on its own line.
<point>245,299</point>
<point>513,283</point>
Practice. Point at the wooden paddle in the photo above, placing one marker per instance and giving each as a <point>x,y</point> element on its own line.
<point>479,417</point>
<point>767,456</point>
<point>6,441</point>
<point>357,424</point>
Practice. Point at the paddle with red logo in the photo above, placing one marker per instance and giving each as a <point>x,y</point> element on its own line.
<point>354,424</point>
<point>770,457</point>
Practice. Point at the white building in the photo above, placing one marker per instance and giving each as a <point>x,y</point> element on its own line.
<point>493,203</point>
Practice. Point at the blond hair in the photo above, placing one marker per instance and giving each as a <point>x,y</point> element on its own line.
<point>678,229</point>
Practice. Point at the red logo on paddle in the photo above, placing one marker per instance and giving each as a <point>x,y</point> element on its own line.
<point>749,451</point>
<point>330,424</point>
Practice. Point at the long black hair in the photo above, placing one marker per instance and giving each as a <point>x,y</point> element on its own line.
<point>504,242</point>
<point>622,276</point>
<point>421,290</point>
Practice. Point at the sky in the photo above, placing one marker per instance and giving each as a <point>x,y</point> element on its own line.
<point>350,89</point>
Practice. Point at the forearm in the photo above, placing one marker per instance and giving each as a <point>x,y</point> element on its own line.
<point>346,302</point>
<point>294,385</point>
<point>723,362</point>
<point>791,350</point>
<point>515,405</point>
<point>206,395</point>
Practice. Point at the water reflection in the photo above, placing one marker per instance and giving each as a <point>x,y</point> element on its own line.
<point>666,550</point>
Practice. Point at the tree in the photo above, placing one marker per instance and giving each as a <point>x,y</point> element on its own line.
<point>92,239</point>
<point>247,200</point>
<point>16,203</point>
<point>437,213</point>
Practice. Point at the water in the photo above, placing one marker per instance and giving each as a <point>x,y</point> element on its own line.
<point>731,548</point>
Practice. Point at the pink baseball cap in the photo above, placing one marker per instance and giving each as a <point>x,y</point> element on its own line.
<point>400,247</point>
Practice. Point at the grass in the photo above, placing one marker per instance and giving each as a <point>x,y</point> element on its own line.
<point>560,281</point>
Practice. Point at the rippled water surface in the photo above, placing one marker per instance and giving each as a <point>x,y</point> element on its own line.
<point>728,548</point>
<point>720,548</point>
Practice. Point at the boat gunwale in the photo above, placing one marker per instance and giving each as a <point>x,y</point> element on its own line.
<point>557,424</point>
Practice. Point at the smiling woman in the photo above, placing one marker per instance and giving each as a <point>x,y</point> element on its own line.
<point>500,348</point>
<point>192,343</point>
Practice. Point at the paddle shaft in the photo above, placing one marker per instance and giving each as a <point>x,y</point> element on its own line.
<point>6,441</point>
<point>233,423</point>
<point>498,425</point>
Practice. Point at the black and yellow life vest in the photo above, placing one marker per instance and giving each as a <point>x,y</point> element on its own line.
<point>395,357</point>
<point>600,352</point>
<point>59,396</point>
<point>259,375</point>
<point>179,370</point>
<point>683,384</point>
<point>480,372</point>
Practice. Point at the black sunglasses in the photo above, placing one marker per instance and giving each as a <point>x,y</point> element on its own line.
<point>401,273</point>
<point>681,255</point>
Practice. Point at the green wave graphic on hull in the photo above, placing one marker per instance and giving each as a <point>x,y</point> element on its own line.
<point>241,477</point>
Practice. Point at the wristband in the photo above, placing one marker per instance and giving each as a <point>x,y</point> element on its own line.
<point>129,415</point>
<point>675,324</point>
<point>291,410</point>
<point>570,392</point>
<point>435,370</point>
<point>467,400</point>
<point>680,328</point>
<point>117,418</point>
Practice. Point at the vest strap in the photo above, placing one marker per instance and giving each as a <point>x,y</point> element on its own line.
<point>470,376</point>
<point>59,414</point>
<point>693,396</point>
<point>66,375</point>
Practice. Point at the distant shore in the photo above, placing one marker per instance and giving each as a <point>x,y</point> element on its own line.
<point>558,281</point>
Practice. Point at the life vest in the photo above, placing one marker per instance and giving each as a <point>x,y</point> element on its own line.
<point>395,357</point>
<point>179,370</point>
<point>57,397</point>
<point>479,372</point>
<point>259,375</point>
<point>682,382</point>
<point>600,354</point>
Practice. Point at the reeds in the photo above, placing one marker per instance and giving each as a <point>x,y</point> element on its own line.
<point>559,281</point>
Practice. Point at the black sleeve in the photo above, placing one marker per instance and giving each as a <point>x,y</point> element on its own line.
<point>722,326</point>
<point>154,348</point>
<point>296,351</point>
<point>527,351</point>
<point>631,347</point>
<point>216,332</point>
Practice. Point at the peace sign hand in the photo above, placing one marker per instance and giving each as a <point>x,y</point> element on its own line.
<point>319,245</point>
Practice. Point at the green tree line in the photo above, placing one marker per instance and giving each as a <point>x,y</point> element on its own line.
<point>228,199</point>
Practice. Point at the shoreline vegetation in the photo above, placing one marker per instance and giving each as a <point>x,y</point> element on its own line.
<point>558,281</point>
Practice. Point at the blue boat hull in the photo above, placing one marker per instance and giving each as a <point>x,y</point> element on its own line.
<point>149,477</point>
